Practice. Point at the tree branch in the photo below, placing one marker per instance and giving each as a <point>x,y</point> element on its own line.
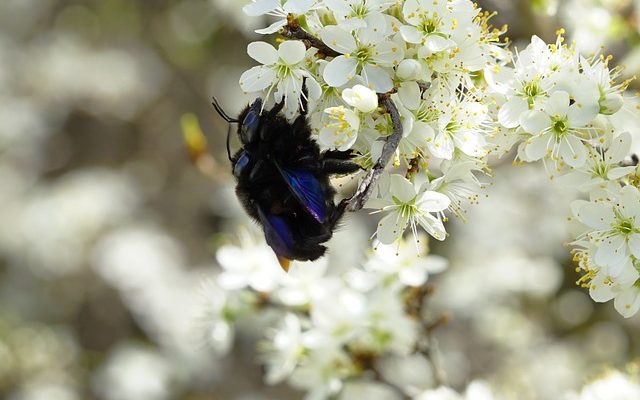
<point>360,197</point>
<point>293,31</point>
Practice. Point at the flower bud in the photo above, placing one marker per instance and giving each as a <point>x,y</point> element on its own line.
<point>361,97</point>
<point>409,69</point>
<point>611,104</point>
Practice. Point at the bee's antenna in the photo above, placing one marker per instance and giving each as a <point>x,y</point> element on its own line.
<point>228,147</point>
<point>221,112</point>
<point>227,118</point>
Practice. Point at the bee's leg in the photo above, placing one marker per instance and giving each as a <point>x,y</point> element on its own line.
<point>333,166</point>
<point>328,165</point>
<point>276,109</point>
<point>337,213</point>
<point>299,127</point>
<point>338,155</point>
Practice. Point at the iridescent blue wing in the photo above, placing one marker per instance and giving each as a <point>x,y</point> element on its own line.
<point>307,190</point>
<point>278,234</point>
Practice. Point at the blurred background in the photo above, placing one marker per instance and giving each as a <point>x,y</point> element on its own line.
<point>108,232</point>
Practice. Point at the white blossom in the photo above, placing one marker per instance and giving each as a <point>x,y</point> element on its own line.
<point>340,131</point>
<point>406,263</point>
<point>282,73</point>
<point>557,130</point>
<point>408,206</point>
<point>367,57</point>
<point>253,265</point>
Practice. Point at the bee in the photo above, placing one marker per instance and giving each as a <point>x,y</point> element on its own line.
<point>283,180</point>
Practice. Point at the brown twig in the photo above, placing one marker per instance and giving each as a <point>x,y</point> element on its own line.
<point>293,31</point>
<point>358,200</point>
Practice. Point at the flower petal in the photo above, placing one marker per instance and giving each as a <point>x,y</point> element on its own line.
<point>629,200</point>
<point>580,116</point>
<point>557,104</point>
<point>411,34</point>
<point>618,172</point>
<point>432,225</point>
<point>402,188</point>
<point>391,228</point>
<point>388,54</point>
<point>431,201</point>
<point>442,146</point>
<point>436,43</point>
<point>411,12</point>
<point>628,302</point>
<point>292,51</point>
<point>620,148</point>
<point>257,78</point>
<point>262,52</point>
<point>509,115</point>
<point>634,245</point>
<point>377,78</point>
<point>472,143</point>
<point>339,71</point>
<point>573,151</point>
<point>313,87</point>
<point>260,7</point>
<point>611,251</point>
<point>595,215</point>
<point>273,28</point>
<point>601,289</point>
<point>410,94</point>
<point>298,6</point>
<point>338,39</point>
<point>535,121</point>
<point>537,147</point>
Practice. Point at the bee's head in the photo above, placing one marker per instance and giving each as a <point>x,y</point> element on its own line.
<point>248,130</point>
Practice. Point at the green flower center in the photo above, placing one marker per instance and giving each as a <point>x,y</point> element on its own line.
<point>405,209</point>
<point>359,10</point>
<point>600,170</point>
<point>560,127</point>
<point>624,227</point>
<point>531,90</point>
<point>430,26</point>
<point>363,54</point>
<point>452,126</point>
<point>283,70</point>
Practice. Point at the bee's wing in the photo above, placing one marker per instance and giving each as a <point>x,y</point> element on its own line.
<point>278,233</point>
<point>307,190</point>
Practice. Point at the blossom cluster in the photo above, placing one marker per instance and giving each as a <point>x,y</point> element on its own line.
<point>463,96</point>
<point>570,111</point>
<point>429,57</point>
<point>328,325</point>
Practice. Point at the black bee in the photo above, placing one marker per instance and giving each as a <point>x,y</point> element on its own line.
<point>283,181</point>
